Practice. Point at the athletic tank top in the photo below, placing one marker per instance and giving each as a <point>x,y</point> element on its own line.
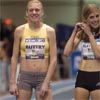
<point>34,45</point>
<point>87,52</point>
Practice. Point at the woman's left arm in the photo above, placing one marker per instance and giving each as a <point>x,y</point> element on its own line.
<point>95,47</point>
<point>52,62</point>
<point>53,54</point>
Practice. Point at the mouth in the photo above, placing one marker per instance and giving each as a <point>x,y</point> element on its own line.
<point>95,24</point>
<point>34,16</point>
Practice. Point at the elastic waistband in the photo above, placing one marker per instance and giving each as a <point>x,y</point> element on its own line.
<point>33,73</point>
<point>86,72</point>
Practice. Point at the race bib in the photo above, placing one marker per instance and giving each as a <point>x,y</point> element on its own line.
<point>87,50</point>
<point>35,48</point>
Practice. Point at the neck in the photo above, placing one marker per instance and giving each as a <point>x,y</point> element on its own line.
<point>35,25</point>
<point>95,30</point>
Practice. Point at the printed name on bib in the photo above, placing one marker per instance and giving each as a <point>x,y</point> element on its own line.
<point>87,50</point>
<point>35,48</point>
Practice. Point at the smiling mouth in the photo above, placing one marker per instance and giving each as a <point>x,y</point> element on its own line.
<point>34,15</point>
<point>95,23</point>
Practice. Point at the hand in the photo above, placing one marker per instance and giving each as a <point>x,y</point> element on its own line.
<point>44,89</point>
<point>78,27</point>
<point>13,89</point>
<point>86,29</point>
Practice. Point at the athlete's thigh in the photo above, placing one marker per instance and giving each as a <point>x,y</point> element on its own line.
<point>81,94</point>
<point>95,95</point>
<point>48,95</point>
<point>24,95</point>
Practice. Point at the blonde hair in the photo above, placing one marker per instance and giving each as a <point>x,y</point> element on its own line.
<point>34,1</point>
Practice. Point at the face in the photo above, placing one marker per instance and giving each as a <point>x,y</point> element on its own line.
<point>93,20</point>
<point>34,12</point>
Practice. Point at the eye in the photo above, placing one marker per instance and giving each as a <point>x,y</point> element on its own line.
<point>91,17</point>
<point>97,16</point>
<point>30,10</point>
<point>37,10</point>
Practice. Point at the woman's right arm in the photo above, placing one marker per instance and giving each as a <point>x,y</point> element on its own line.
<point>73,41</point>
<point>14,60</point>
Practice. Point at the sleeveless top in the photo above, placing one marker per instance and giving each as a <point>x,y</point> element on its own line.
<point>34,44</point>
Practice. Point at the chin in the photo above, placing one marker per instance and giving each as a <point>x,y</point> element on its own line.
<point>95,27</point>
<point>34,21</point>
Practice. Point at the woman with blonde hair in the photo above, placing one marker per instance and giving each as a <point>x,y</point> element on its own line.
<point>87,33</point>
<point>36,42</point>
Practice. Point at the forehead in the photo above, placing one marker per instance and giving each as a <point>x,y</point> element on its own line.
<point>34,5</point>
<point>94,13</point>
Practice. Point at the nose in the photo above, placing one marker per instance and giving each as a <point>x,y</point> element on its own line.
<point>34,11</point>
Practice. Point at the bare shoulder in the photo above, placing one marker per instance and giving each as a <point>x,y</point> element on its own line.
<point>19,30</point>
<point>50,29</point>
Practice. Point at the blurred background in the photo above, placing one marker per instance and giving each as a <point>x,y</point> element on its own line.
<point>60,14</point>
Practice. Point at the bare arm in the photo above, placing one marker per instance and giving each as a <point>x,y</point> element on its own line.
<point>14,57</point>
<point>13,87</point>
<point>73,42</point>
<point>53,60</point>
<point>53,55</point>
<point>94,45</point>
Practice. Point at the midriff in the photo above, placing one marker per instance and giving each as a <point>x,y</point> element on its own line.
<point>36,65</point>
